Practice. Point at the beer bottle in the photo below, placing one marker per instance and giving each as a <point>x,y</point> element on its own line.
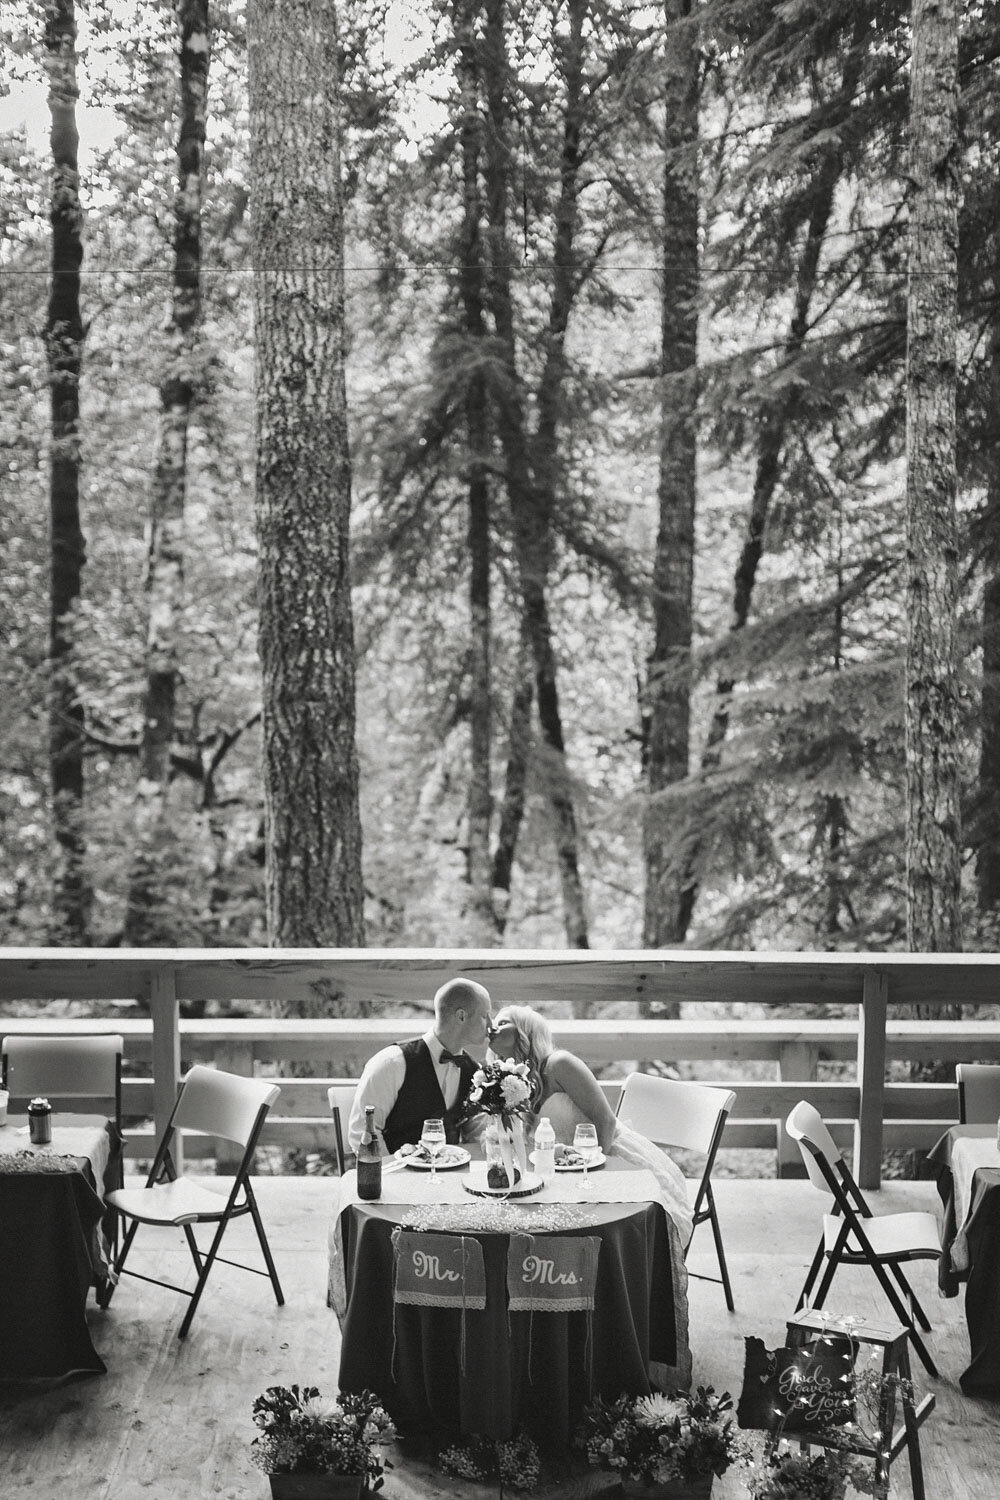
<point>369,1159</point>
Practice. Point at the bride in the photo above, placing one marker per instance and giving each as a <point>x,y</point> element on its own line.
<point>567,1092</point>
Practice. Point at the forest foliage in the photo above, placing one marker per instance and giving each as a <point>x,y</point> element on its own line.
<point>533,142</point>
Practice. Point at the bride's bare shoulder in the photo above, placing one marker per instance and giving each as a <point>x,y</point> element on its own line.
<point>563,1064</point>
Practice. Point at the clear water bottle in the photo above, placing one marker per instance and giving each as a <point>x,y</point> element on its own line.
<point>545,1149</point>
<point>369,1159</point>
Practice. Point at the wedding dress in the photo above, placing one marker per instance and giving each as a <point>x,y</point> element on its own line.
<point>632,1147</point>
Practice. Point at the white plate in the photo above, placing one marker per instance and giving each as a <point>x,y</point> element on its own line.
<point>577,1166</point>
<point>450,1157</point>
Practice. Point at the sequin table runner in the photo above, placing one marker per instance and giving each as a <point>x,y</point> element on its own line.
<point>618,1182</point>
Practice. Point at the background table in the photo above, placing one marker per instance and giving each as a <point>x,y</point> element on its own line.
<point>506,1371</point>
<point>968,1164</point>
<point>50,1248</point>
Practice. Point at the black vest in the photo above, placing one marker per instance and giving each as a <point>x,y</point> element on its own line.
<point>420,1097</point>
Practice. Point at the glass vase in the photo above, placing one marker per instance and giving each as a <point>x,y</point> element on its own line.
<point>504,1150</point>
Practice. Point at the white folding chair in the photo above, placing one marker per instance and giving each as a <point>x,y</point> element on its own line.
<point>341,1098</point>
<point>68,1070</point>
<point>978,1093</point>
<point>853,1235</point>
<point>690,1117</point>
<point>213,1103</point>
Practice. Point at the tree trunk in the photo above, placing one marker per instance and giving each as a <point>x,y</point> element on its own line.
<point>533,527</point>
<point>834,822</point>
<point>64,336</point>
<point>666,712</point>
<point>313,883</point>
<point>471,275</point>
<point>515,779</point>
<point>165,573</point>
<point>933,814</point>
<point>530,501</point>
<point>988,853</point>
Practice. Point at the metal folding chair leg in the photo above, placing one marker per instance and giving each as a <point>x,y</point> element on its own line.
<point>916,1311</point>
<point>719,1251</point>
<point>265,1247</point>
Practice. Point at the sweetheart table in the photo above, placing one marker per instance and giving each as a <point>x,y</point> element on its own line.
<point>489,1367</point>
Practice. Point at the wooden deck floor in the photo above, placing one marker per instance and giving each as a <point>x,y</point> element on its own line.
<point>172,1419</point>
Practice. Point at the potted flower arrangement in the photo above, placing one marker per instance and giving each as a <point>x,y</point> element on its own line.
<point>667,1445</point>
<point>501,1089</point>
<point>790,1473</point>
<point>315,1447</point>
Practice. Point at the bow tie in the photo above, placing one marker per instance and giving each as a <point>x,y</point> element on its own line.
<point>458,1058</point>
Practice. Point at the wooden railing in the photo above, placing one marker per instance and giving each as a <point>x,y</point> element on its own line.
<point>866,1110</point>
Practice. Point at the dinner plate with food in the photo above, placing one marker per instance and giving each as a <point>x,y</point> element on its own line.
<point>419,1158</point>
<point>568,1159</point>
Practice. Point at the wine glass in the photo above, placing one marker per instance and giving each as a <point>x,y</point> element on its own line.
<point>585,1142</point>
<point>432,1138</point>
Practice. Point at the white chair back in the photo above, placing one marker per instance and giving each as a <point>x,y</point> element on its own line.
<point>341,1097</point>
<point>222,1104</point>
<point>67,1067</point>
<point>978,1092</point>
<point>673,1111</point>
<point>805,1123</point>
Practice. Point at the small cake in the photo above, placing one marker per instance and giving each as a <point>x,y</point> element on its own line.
<point>496,1177</point>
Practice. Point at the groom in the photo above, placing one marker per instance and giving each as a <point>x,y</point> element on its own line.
<point>428,1077</point>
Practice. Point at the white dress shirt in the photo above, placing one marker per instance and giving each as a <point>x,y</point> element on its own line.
<point>382,1080</point>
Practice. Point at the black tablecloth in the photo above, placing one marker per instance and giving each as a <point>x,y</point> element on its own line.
<point>47,1266</point>
<point>521,1371</point>
<point>982,1289</point>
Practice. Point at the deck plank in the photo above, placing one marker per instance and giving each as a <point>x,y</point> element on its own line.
<point>173,1418</point>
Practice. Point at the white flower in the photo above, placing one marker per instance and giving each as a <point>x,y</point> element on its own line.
<point>321,1408</point>
<point>650,1411</point>
<point>515,1091</point>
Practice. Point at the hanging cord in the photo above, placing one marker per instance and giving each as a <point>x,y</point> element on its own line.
<point>465,1273</point>
<point>395,1261</point>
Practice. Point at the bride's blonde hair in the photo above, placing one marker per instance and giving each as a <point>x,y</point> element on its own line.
<point>534,1038</point>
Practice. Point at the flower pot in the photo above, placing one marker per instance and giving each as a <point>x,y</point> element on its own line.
<point>316,1486</point>
<point>673,1489</point>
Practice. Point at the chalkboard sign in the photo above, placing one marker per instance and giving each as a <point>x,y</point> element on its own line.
<point>800,1390</point>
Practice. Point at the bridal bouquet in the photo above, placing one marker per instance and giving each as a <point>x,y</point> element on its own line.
<point>501,1088</point>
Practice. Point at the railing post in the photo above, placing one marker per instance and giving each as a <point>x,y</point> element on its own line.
<point>796,1063</point>
<point>165,1011</point>
<point>871,1079</point>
